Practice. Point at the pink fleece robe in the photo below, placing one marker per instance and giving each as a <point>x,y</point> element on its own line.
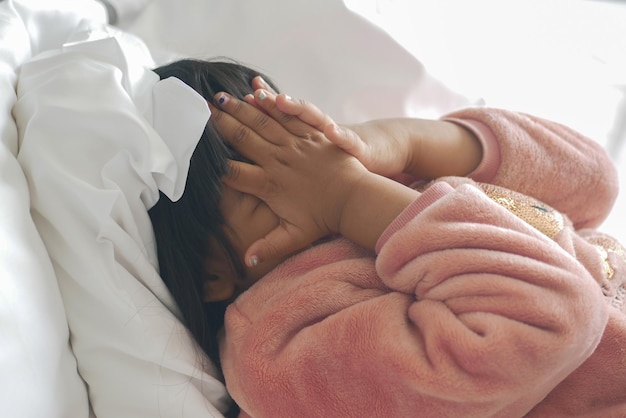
<point>479,301</point>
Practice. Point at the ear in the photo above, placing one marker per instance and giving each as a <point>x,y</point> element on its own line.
<point>218,288</point>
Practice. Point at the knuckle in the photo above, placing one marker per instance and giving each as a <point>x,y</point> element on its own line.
<point>284,118</point>
<point>271,250</point>
<point>233,172</point>
<point>260,121</point>
<point>302,105</point>
<point>314,136</point>
<point>237,106</point>
<point>240,135</point>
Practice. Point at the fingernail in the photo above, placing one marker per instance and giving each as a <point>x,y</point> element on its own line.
<point>254,261</point>
<point>262,95</point>
<point>222,98</point>
<point>288,97</point>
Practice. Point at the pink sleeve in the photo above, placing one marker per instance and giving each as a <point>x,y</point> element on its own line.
<point>466,311</point>
<point>490,163</point>
<point>543,159</point>
<point>499,308</point>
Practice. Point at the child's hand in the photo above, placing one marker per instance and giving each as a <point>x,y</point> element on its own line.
<point>422,148</point>
<point>373,143</point>
<point>381,152</point>
<point>304,178</point>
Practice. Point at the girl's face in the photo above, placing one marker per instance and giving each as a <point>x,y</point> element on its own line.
<point>247,219</point>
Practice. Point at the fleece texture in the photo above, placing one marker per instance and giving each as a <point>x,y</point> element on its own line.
<point>480,300</point>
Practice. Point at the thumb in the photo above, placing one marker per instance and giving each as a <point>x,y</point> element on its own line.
<point>280,242</point>
<point>306,111</point>
<point>344,138</point>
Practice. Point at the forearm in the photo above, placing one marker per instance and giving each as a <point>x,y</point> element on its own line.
<point>431,149</point>
<point>428,148</point>
<point>441,148</point>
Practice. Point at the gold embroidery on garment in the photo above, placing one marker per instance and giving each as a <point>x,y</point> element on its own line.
<point>607,245</point>
<point>550,222</point>
<point>610,249</point>
<point>537,214</point>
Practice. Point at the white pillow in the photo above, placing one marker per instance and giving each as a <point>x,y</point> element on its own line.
<point>316,50</point>
<point>100,135</point>
<point>39,376</point>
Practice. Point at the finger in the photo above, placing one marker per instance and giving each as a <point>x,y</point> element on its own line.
<point>344,138</point>
<point>256,120</point>
<point>259,83</point>
<point>244,140</point>
<point>304,110</point>
<point>249,98</point>
<point>278,243</point>
<point>245,178</point>
<point>267,101</point>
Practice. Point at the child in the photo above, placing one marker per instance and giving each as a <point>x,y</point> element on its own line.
<point>460,299</point>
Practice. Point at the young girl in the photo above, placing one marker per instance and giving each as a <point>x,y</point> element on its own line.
<point>460,299</point>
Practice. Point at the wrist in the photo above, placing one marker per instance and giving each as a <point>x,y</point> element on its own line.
<point>442,148</point>
<point>397,135</point>
<point>372,205</point>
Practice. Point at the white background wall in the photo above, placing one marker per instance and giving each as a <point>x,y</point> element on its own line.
<point>560,59</point>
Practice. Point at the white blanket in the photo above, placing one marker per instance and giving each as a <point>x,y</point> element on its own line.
<point>99,137</point>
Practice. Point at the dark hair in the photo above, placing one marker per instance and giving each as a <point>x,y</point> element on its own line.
<point>183,229</point>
